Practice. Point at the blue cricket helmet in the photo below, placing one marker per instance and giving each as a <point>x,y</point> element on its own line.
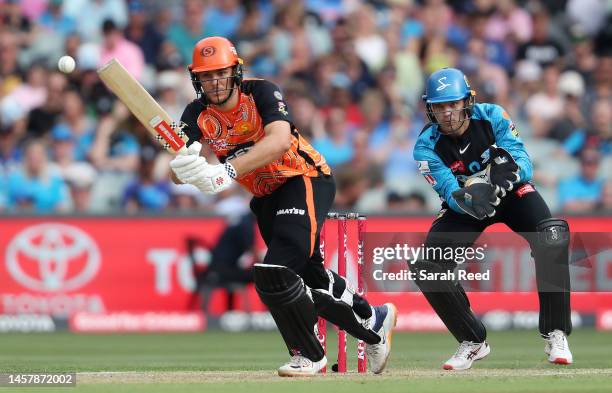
<point>447,84</point>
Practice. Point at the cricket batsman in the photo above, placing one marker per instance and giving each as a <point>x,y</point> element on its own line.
<point>471,154</point>
<point>247,125</point>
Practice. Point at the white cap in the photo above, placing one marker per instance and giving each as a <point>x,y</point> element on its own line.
<point>571,83</point>
<point>528,71</point>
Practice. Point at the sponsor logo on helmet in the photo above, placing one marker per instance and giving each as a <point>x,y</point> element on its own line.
<point>208,51</point>
<point>278,95</point>
<point>443,85</point>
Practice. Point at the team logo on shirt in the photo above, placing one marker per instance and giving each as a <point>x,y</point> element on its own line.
<point>242,127</point>
<point>282,108</point>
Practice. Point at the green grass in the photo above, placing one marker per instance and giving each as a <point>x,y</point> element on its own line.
<point>196,363</point>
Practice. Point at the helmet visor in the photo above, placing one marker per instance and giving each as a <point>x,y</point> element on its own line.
<point>450,115</point>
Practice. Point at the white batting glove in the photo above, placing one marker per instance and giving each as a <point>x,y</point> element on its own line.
<point>214,178</point>
<point>188,167</point>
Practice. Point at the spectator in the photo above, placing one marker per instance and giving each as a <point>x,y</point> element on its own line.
<point>114,45</point>
<point>542,48</point>
<point>142,32</point>
<point>168,96</point>
<point>75,122</point>
<point>147,193</point>
<point>583,192</point>
<point>80,178</point>
<point>223,18</point>
<point>55,20</point>
<point>336,145</point>
<point>290,50</point>
<point>35,185</point>
<point>370,45</point>
<point>546,106</point>
<point>509,23</point>
<point>571,88</point>
<point>10,155</point>
<point>186,33</point>
<point>598,136</point>
<point>91,14</point>
<point>33,92</point>
<point>114,149</point>
<point>410,203</point>
<point>42,118</point>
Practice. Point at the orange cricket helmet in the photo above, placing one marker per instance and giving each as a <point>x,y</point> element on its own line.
<point>213,53</point>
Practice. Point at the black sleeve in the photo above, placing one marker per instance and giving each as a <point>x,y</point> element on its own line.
<point>269,101</point>
<point>190,118</point>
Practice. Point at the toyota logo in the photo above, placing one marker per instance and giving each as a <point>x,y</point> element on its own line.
<point>52,258</point>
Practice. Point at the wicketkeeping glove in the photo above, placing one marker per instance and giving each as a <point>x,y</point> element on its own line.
<point>477,199</point>
<point>503,170</point>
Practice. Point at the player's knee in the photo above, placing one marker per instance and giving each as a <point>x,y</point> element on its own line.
<point>553,232</point>
<point>276,284</point>
<point>552,239</point>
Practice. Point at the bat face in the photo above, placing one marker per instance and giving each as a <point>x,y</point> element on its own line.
<point>155,119</point>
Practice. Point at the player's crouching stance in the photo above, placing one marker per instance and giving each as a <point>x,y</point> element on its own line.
<point>472,156</point>
<point>247,125</point>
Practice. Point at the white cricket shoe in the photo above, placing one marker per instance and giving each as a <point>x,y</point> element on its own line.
<point>378,354</point>
<point>467,353</point>
<point>557,348</point>
<point>300,366</point>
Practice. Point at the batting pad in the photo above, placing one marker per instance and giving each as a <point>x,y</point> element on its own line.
<point>292,308</point>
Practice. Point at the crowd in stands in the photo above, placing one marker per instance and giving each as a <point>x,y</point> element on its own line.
<point>351,71</point>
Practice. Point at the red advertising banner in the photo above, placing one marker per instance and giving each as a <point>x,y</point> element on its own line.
<point>61,266</point>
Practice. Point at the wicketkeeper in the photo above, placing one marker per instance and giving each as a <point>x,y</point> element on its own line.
<point>473,157</point>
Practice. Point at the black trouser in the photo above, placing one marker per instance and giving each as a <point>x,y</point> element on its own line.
<point>290,221</point>
<point>521,213</point>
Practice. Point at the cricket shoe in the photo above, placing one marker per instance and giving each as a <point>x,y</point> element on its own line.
<point>385,321</point>
<point>467,353</point>
<point>300,366</point>
<point>557,348</point>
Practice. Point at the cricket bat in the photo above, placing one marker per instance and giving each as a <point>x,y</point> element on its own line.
<point>143,106</point>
